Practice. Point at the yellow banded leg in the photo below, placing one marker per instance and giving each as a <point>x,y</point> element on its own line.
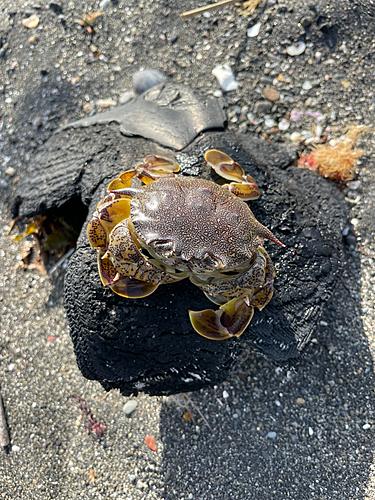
<point>264,294</point>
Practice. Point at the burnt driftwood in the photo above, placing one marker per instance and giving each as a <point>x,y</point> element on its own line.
<point>148,344</point>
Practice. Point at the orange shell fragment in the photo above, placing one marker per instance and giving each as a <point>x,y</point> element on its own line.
<point>150,442</point>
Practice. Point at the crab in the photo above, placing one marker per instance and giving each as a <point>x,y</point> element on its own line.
<point>170,227</point>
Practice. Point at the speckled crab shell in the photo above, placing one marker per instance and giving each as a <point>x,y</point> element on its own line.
<point>176,227</point>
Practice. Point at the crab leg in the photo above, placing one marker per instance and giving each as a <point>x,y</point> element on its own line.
<point>153,166</point>
<point>264,294</point>
<point>231,320</point>
<point>122,285</point>
<point>244,186</point>
<point>105,218</point>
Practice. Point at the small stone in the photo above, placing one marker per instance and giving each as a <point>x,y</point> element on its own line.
<point>311,432</point>
<point>87,107</point>
<point>11,367</point>
<point>262,107</point>
<point>307,85</point>
<point>272,435</point>
<point>218,93</point>
<point>300,401</point>
<point>354,222</point>
<point>125,97</point>
<point>366,427</point>
<point>145,80</point>
<point>318,56</point>
<point>130,407</point>
<point>354,184</point>
<point>242,128</point>
<point>31,22</point>
<point>254,30</point>
<point>174,37</point>
<point>93,48</point>
<point>266,80</point>
<point>271,94</point>
<point>56,8</point>
<point>16,448</point>
<point>32,40</point>
<point>284,124</point>
<point>350,239</point>
<point>345,84</point>
<point>297,49</point>
<point>132,478</point>
<point>269,122</point>
<point>225,395</point>
<point>10,171</point>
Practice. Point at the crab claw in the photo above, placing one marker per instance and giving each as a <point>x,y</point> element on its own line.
<point>231,320</point>
<point>245,186</point>
<point>132,288</point>
<point>160,164</point>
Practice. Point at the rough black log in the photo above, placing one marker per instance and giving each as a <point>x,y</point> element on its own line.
<point>148,344</point>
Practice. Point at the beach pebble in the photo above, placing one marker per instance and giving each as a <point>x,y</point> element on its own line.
<point>262,107</point>
<point>269,122</point>
<point>271,94</point>
<point>10,171</point>
<point>272,435</point>
<point>284,124</point>
<point>31,22</point>
<point>145,80</point>
<point>129,407</point>
<point>307,85</point>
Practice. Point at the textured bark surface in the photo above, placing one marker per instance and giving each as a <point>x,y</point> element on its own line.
<point>148,344</point>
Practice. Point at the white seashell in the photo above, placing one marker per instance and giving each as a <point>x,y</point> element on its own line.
<point>307,85</point>
<point>297,49</point>
<point>225,78</point>
<point>145,80</point>
<point>254,30</point>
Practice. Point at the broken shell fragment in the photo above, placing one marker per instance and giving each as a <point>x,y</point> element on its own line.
<point>225,78</point>
<point>146,79</point>
<point>253,31</point>
<point>297,49</point>
<point>31,22</point>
